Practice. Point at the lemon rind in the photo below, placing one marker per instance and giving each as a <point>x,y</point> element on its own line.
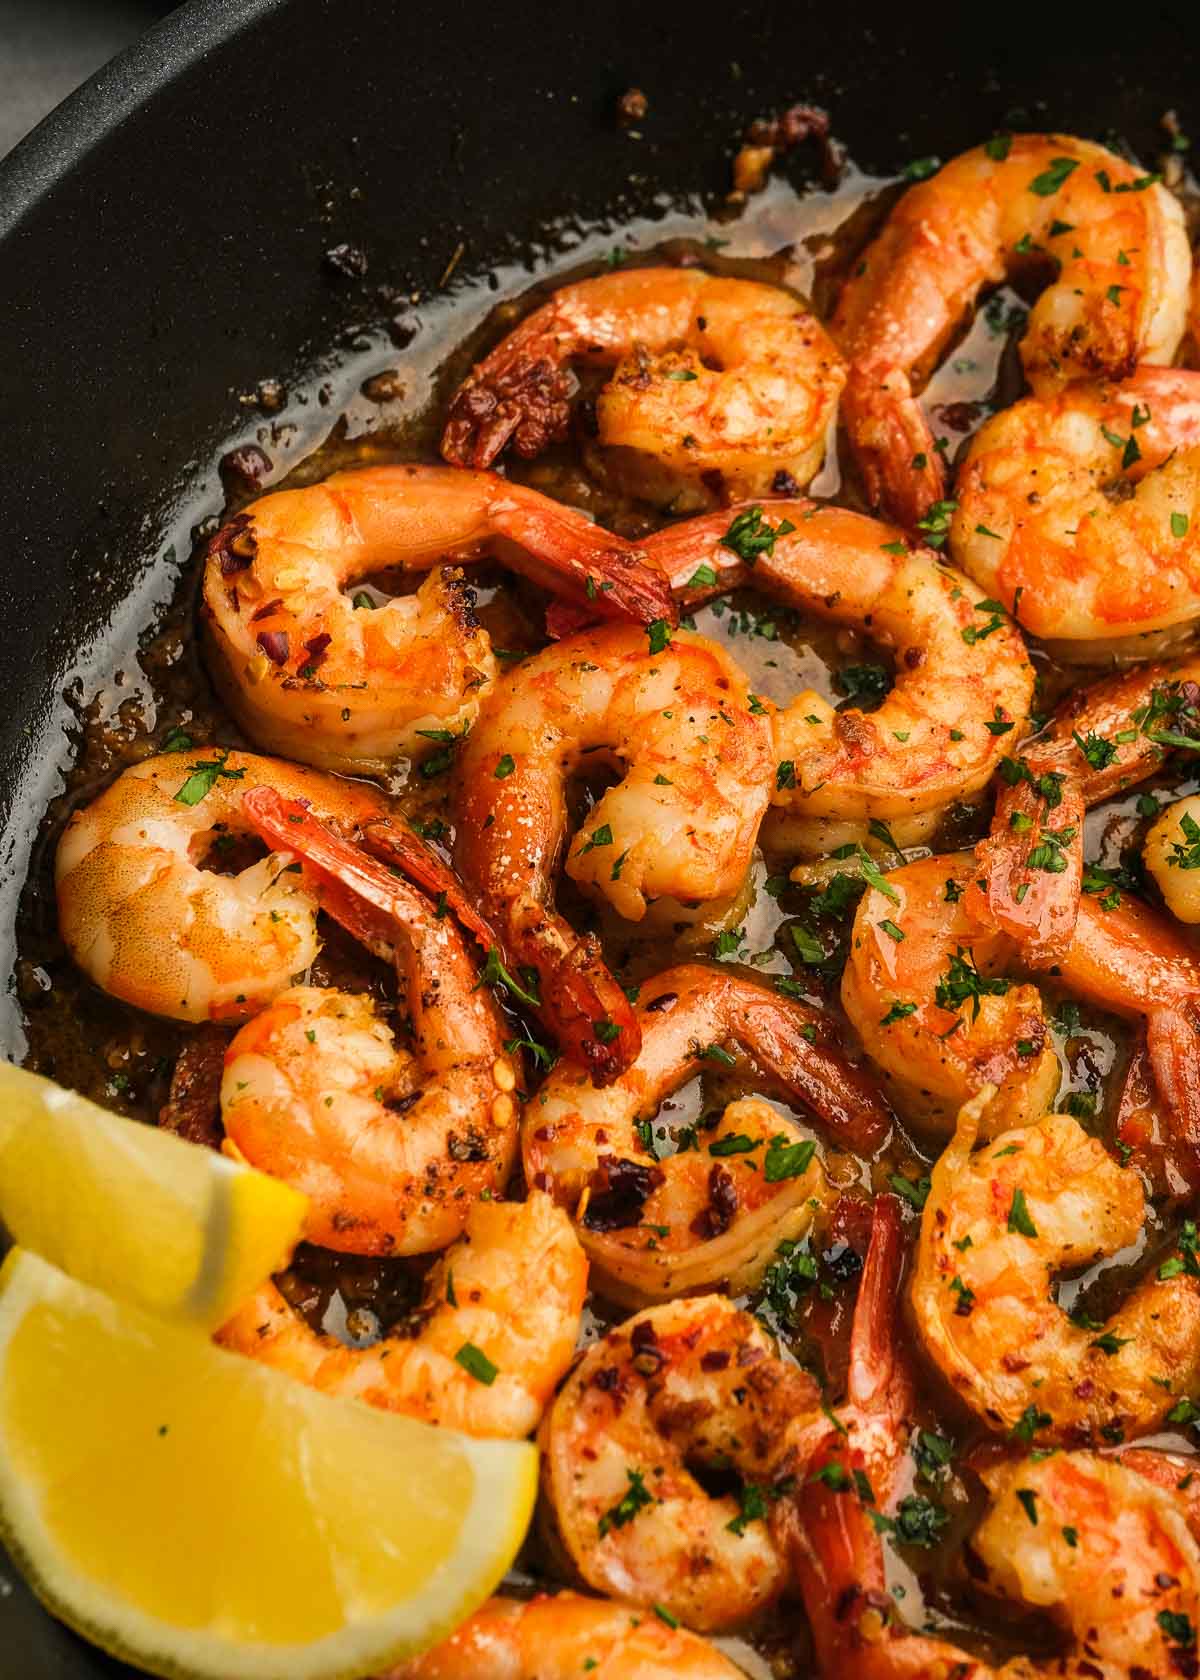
<point>505,1482</point>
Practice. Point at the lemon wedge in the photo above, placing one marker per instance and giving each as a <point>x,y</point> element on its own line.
<point>163,1223</point>
<point>198,1514</point>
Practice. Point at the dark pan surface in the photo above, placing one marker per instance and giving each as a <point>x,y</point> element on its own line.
<point>162,236</point>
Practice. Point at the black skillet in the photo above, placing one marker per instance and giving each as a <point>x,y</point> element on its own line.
<point>162,241</point>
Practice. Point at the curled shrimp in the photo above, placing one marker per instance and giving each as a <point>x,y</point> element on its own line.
<point>564,1636</point>
<point>1109,1555</point>
<point>720,386</point>
<point>391,1147</point>
<point>494,1333</point>
<point>715,1210</point>
<point>309,671</point>
<point>1111,240</point>
<point>682,1384</point>
<point>998,1224</point>
<point>940,1018</point>
<point>147,919</point>
<point>696,759</point>
<point>961,667</point>
<point>1081,510</point>
<point>1100,741</point>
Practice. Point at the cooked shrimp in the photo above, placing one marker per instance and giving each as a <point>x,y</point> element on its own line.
<point>932,1010</point>
<point>1094,1543</point>
<point>939,1016</point>
<point>495,1331</point>
<point>697,758</point>
<point>716,1210</point>
<point>823,1526</point>
<point>683,1384</point>
<point>1172,857</point>
<point>720,385</point>
<point>997,1226</point>
<point>1101,740</point>
<point>695,1382</point>
<point>391,1147</point>
<point>961,666</point>
<point>565,1637</point>
<point>145,918</point>
<point>309,671</point>
<point>1081,511</point>
<point>1112,241</point>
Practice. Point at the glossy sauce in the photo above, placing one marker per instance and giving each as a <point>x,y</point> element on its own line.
<point>388,404</point>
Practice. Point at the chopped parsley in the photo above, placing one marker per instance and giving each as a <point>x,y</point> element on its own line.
<point>635,1499</point>
<point>750,535</point>
<point>476,1364</point>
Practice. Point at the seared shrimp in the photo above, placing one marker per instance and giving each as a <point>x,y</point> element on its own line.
<point>495,1332</point>
<point>695,1382</point>
<point>147,921</point>
<point>1094,1543</point>
<point>720,385</point>
<point>1081,511</point>
<point>337,681</point>
<point>961,666</point>
<point>697,758</point>
<point>390,1147</point>
<point>828,1526</point>
<point>715,1210</point>
<point>565,1637</point>
<point>685,1383</point>
<point>999,1222</point>
<point>1172,857</point>
<point>939,1016</point>
<point>1101,740</point>
<point>1111,239</point>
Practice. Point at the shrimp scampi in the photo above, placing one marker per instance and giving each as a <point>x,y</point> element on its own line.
<point>334,679</point>
<point>719,386</point>
<point>391,1146</point>
<point>696,758</point>
<point>686,1383</point>
<point>1100,741</point>
<point>940,1015</point>
<point>146,914</point>
<point>1108,237</point>
<point>1106,1553</point>
<point>716,1209</point>
<point>495,1332</point>
<point>1081,511</point>
<point>998,1223</point>
<point>962,675</point>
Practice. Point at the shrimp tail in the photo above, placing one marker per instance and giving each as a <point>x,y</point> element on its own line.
<point>583,564</point>
<point>878,1380</point>
<point>583,1004</point>
<point>1173,1048</point>
<point>834,1545</point>
<point>801,1044</point>
<point>580,998</point>
<point>901,469</point>
<point>1034,882</point>
<point>401,849</point>
<point>357,891</point>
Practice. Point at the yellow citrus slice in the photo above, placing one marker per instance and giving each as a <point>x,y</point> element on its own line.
<point>198,1514</point>
<point>163,1223</point>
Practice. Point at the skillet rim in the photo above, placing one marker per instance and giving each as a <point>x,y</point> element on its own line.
<point>116,92</point>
